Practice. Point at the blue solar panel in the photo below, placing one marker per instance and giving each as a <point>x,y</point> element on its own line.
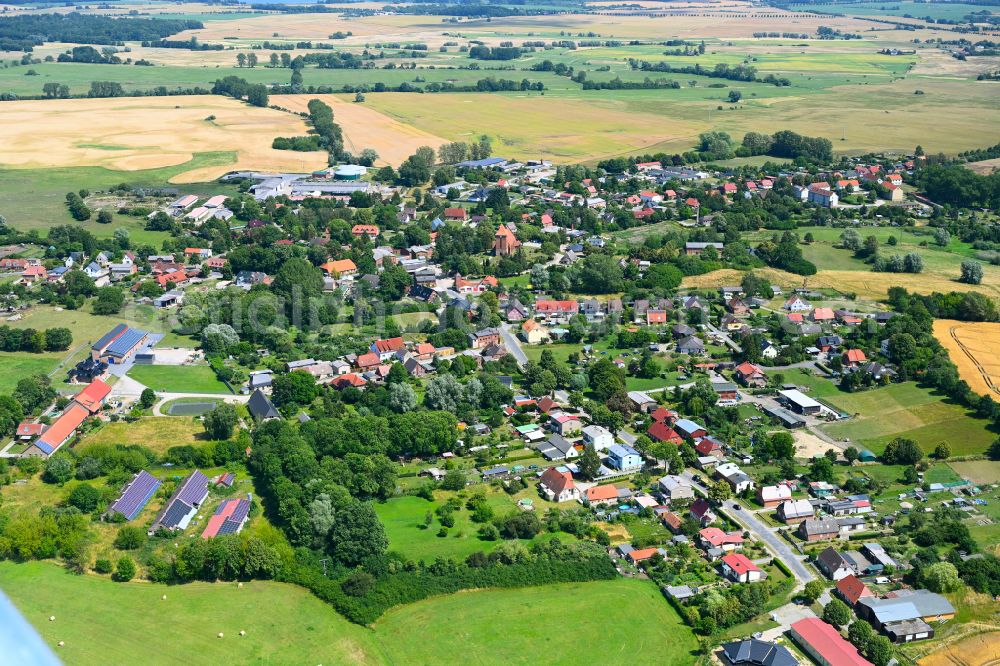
<point>194,489</point>
<point>175,514</point>
<point>124,344</point>
<point>228,527</point>
<point>136,495</point>
<point>240,512</point>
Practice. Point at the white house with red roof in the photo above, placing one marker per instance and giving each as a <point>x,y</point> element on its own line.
<point>738,568</point>
<point>557,485</point>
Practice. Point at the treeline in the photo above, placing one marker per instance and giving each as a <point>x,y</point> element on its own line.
<point>483,52</point>
<point>191,45</point>
<point>337,60</point>
<point>958,186</point>
<point>363,598</point>
<point>979,154</point>
<point>34,341</point>
<point>30,30</point>
<point>255,94</point>
<point>720,71</point>
<point>618,84</point>
<point>788,144</point>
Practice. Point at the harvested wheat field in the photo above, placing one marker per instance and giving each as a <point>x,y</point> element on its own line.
<point>975,349</point>
<point>863,283</point>
<point>365,127</point>
<point>980,650</point>
<point>131,134</point>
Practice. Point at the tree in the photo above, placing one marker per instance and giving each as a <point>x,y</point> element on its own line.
<point>443,393</point>
<point>356,534</point>
<point>902,451</point>
<point>942,451</point>
<point>297,279</point>
<point>851,454</point>
<point>972,272</point>
<point>129,537</point>
<point>836,613</point>
<point>454,479</point>
<point>851,240</point>
<point>589,463</point>
<point>735,96</point>
<point>109,301</point>
<point>880,650</point>
<point>813,590</point>
<point>860,633</point>
<point>105,217</point>
<point>220,421</point>
<point>606,379</point>
<point>218,338</point>
<point>125,571</point>
<point>821,469</point>
<point>58,339</point>
<point>85,497</point>
<point>58,469</point>
<point>941,577</point>
<point>294,389</point>
<point>147,398</point>
<point>720,491</point>
<point>402,398</point>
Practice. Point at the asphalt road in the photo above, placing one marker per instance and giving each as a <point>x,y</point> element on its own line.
<point>513,345</point>
<point>777,546</point>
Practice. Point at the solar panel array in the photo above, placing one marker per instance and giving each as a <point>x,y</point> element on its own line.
<point>194,489</point>
<point>136,494</point>
<point>175,514</point>
<point>124,344</point>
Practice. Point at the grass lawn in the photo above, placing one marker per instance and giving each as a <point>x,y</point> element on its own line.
<point>283,623</point>
<point>18,365</point>
<point>520,626</point>
<point>158,433</point>
<point>907,410</point>
<point>178,378</point>
<point>404,517</point>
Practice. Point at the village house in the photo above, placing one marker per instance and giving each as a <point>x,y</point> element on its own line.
<point>771,496</point>
<point>534,333</point>
<point>818,530</point>
<point>750,375</point>
<point>795,511</point>
<point>673,488</point>
<point>738,568</point>
<point>601,495</point>
<point>557,485</point>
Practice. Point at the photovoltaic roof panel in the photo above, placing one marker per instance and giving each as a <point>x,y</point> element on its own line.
<point>136,495</point>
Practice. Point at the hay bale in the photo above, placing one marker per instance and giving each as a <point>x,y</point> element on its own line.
<point>61,643</point>
<point>221,634</point>
<point>52,618</point>
<point>242,632</point>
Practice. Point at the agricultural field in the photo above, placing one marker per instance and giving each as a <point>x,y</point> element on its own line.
<point>907,410</point>
<point>365,128</point>
<point>973,347</point>
<point>979,649</point>
<point>18,365</point>
<point>516,626</point>
<point>178,378</point>
<point>126,134</point>
<point>297,628</point>
<point>953,11</point>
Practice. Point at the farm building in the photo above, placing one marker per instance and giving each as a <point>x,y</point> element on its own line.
<point>86,403</point>
<point>229,518</point>
<point>177,513</point>
<point>799,402</point>
<point>118,345</point>
<point>824,644</point>
<point>135,495</point>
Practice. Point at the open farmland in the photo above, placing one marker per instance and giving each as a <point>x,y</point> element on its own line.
<point>516,627</point>
<point>106,623</point>
<point>975,349</point>
<point>135,134</point>
<point>178,378</point>
<point>979,650</point>
<point>907,410</point>
<point>363,127</point>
